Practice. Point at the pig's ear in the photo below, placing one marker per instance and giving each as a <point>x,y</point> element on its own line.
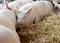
<point>6,4</point>
<point>28,10</point>
<point>9,7</point>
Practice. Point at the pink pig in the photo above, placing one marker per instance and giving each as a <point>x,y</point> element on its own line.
<point>32,12</point>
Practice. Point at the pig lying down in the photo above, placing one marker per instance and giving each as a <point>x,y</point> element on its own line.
<point>33,12</point>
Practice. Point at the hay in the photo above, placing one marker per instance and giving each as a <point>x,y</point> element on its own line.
<point>45,31</point>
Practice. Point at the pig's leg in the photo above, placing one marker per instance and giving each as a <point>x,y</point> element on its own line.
<point>37,18</point>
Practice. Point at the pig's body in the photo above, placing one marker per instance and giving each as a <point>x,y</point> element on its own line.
<point>7,18</point>
<point>8,36</point>
<point>34,11</point>
<point>19,3</point>
<point>8,32</point>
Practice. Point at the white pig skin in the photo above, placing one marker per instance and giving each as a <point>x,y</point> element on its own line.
<point>8,36</point>
<point>7,18</point>
<point>19,3</point>
<point>8,32</point>
<point>33,11</point>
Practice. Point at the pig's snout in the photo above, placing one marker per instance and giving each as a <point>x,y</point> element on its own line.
<point>21,24</point>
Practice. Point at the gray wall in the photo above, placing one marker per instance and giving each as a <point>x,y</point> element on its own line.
<point>6,0</point>
<point>1,1</point>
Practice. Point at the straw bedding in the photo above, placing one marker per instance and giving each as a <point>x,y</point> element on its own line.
<point>47,30</point>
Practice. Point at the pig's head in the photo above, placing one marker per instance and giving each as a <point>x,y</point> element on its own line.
<point>10,8</point>
<point>22,17</point>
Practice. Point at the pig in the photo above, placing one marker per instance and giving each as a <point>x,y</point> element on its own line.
<point>8,32</point>
<point>8,20</point>
<point>31,12</point>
